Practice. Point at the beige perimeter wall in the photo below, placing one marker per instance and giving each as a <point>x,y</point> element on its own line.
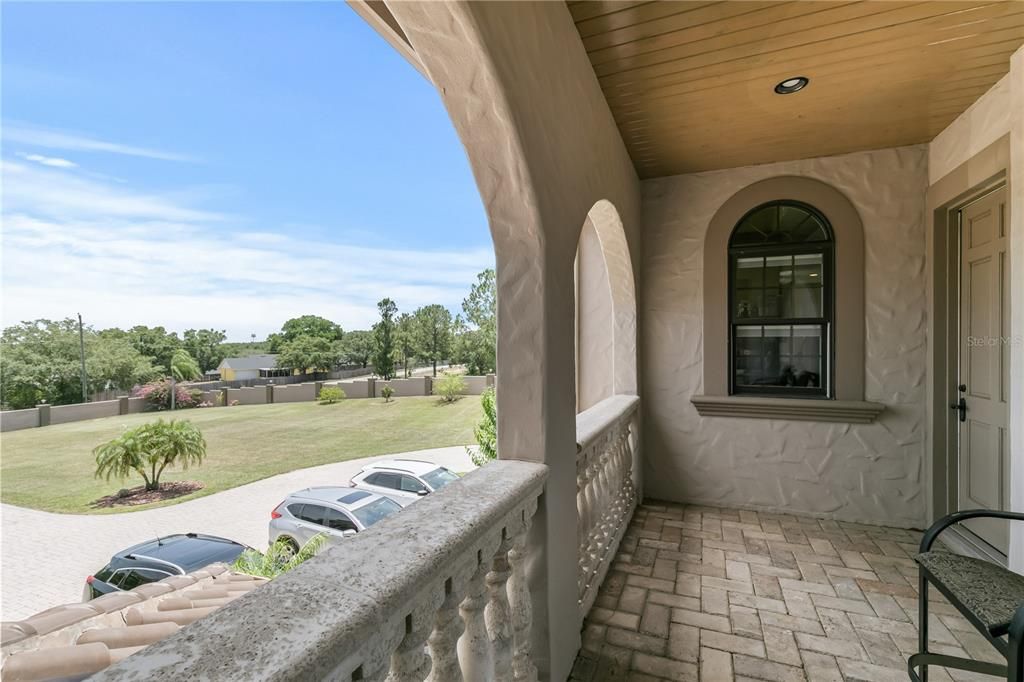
<point>866,472</point>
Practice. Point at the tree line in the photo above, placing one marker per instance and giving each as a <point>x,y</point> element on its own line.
<point>40,360</point>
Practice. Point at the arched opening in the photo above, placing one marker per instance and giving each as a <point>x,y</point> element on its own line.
<point>605,309</point>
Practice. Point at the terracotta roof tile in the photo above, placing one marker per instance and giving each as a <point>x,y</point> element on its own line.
<point>77,640</point>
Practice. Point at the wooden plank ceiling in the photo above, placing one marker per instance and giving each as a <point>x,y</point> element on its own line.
<point>691,83</point>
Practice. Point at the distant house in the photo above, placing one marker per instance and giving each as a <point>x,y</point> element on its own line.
<point>251,367</point>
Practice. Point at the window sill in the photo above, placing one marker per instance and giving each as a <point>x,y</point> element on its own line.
<point>789,409</point>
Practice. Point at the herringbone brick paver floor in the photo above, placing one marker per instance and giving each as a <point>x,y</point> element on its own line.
<point>699,593</point>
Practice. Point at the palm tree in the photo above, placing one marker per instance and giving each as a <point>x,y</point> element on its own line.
<point>184,367</point>
<point>149,449</point>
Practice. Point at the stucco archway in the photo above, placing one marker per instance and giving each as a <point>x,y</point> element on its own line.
<point>544,148</point>
<point>605,309</point>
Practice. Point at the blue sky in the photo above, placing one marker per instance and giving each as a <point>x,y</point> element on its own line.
<point>225,165</point>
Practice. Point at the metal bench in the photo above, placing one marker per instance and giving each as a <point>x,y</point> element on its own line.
<point>989,596</point>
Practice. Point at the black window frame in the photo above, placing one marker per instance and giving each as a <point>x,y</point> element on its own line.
<point>826,322</point>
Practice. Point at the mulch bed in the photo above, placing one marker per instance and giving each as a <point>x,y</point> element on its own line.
<point>135,496</point>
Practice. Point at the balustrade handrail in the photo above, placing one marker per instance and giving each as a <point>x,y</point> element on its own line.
<point>374,602</point>
<point>594,421</point>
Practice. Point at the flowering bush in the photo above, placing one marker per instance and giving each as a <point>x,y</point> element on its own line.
<point>158,395</point>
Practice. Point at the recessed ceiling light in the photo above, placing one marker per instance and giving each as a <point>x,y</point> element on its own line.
<point>791,85</point>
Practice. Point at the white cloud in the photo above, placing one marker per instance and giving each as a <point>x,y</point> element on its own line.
<point>122,258</point>
<point>68,141</point>
<point>51,161</point>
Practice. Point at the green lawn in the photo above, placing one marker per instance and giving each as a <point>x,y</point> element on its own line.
<point>52,468</point>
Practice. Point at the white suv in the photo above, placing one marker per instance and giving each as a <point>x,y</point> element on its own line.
<point>403,480</point>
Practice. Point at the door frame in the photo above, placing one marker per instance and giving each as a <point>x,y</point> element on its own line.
<point>982,173</point>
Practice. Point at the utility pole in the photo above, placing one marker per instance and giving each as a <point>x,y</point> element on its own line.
<point>81,352</point>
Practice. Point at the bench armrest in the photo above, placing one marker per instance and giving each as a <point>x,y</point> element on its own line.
<point>945,522</point>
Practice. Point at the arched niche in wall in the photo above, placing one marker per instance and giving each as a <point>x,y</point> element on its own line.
<point>605,309</point>
<point>847,335</point>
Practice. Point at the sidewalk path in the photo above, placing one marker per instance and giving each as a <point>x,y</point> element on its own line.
<point>45,557</point>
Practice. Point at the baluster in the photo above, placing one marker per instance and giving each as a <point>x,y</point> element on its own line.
<point>593,512</point>
<point>622,475</point>
<point>627,449</point>
<point>582,512</point>
<point>497,615</point>
<point>409,663</point>
<point>443,641</point>
<point>523,669</point>
<point>474,646</point>
<point>615,474</point>
<point>605,494</point>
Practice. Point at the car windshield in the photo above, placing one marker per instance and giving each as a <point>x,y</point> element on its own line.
<point>373,512</point>
<point>439,478</point>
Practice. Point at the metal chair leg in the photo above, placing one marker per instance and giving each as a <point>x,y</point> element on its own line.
<point>922,622</point>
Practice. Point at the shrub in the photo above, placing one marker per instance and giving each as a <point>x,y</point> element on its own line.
<point>386,393</point>
<point>279,558</point>
<point>330,395</point>
<point>158,395</point>
<point>486,431</point>
<point>149,449</point>
<point>449,387</point>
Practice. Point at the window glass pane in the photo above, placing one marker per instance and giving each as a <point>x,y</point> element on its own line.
<point>373,512</point>
<point>776,344</point>
<point>747,360</point>
<point>807,356</point>
<point>779,356</point>
<point>392,481</point>
<point>749,303</point>
<point>807,286</point>
<point>779,223</point>
<point>337,520</point>
<point>141,576</point>
<point>749,273</point>
<point>778,281</point>
<point>313,513</point>
<point>411,485</point>
<point>757,228</point>
<point>439,478</point>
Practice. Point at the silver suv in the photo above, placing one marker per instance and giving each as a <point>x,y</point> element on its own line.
<point>335,511</point>
<point>403,480</point>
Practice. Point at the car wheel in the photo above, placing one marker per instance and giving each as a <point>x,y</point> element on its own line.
<point>288,548</point>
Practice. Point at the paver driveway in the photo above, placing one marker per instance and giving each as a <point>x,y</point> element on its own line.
<point>46,556</point>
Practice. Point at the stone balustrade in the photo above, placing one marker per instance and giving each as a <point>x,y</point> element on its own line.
<point>606,490</point>
<point>437,592</point>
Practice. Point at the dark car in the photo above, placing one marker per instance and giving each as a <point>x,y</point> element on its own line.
<point>154,560</point>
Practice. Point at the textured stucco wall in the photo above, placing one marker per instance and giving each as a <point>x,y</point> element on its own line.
<point>595,332</point>
<point>983,123</point>
<point>869,472</point>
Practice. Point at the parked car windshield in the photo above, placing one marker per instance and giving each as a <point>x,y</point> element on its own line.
<point>373,512</point>
<point>439,478</point>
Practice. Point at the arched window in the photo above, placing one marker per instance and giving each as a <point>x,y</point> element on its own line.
<point>781,302</point>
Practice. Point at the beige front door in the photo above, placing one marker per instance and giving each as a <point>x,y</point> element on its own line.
<point>983,466</point>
